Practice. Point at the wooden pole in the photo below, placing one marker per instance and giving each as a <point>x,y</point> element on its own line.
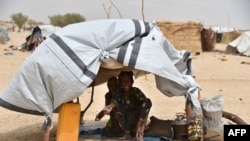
<point>234,118</point>
<point>142,9</point>
<point>90,102</point>
<point>46,133</point>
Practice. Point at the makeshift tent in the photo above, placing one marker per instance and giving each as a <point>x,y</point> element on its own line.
<point>225,34</point>
<point>72,58</point>
<point>38,34</point>
<point>4,34</point>
<point>47,30</point>
<point>240,44</point>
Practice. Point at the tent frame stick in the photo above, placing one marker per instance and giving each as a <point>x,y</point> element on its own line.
<point>236,119</point>
<point>91,101</point>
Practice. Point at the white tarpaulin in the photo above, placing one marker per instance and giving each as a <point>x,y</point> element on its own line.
<point>242,43</point>
<point>66,63</point>
<point>46,30</point>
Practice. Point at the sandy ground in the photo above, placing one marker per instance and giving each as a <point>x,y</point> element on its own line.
<point>229,78</point>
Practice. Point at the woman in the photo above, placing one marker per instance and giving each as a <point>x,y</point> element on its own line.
<point>112,127</point>
<point>132,107</point>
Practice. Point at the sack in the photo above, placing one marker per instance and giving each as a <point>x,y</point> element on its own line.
<point>212,110</point>
<point>159,128</point>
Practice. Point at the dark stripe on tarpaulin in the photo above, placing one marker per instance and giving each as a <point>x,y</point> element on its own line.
<point>122,52</point>
<point>73,56</point>
<point>135,52</point>
<point>137,44</point>
<point>137,27</point>
<point>147,29</point>
<point>18,109</point>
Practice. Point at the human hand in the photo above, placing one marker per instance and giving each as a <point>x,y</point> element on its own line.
<point>140,129</point>
<point>99,116</point>
<point>107,109</point>
<point>139,133</point>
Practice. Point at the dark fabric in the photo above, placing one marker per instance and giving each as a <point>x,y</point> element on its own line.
<point>132,108</point>
<point>112,127</point>
<point>108,97</point>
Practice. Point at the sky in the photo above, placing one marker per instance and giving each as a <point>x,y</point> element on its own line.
<point>224,13</point>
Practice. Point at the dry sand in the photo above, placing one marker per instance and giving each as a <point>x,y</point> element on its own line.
<point>229,78</point>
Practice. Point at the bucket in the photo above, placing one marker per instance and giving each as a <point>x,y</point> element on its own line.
<point>180,129</point>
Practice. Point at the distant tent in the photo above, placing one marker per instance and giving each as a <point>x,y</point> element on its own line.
<point>4,34</point>
<point>48,29</point>
<point>225,34</point>
<point>38,34</point>
<point>240,45</point>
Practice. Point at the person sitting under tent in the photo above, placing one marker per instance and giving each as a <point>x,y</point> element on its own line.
<point>132,107</point>
<point>112,128</point>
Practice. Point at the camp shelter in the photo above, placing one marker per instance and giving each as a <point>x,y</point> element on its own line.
<point>225,34</point>
<point>48,29</point>
<point>38,34</point>
<point>220,31</point>
<point>183,35</point>
<point>228,37</point>
<point>65,64</point>
<point>4,35</point>
<point>240,45</point>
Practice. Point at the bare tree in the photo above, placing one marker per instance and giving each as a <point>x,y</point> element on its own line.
<point>142,10</point>
<point>116,8</point>
<point>109,10</point>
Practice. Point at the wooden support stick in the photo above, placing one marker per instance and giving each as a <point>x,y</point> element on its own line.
<point>46,133</point>
<point>233,118</point>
